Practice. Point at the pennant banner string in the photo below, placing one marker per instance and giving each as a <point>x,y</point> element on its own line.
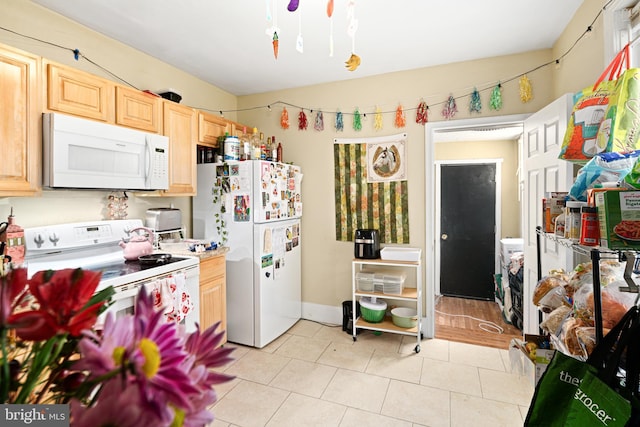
<point>78,54</point>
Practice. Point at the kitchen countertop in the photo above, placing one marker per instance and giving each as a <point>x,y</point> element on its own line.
<point>202,255</point>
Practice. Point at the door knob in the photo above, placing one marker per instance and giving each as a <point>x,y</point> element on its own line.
<point>444,236</point>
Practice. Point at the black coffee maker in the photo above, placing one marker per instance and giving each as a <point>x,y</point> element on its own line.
<point>367,243</point>
<point>347,316</point>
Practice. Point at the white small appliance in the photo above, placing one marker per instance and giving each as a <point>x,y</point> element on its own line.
<point>95,246</point>
<point>82,153</point>
<point>260,204</point>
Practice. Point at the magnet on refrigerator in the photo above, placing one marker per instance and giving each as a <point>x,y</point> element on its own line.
<point>262,218</point>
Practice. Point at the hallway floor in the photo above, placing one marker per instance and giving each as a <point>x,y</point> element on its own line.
<point>473,322</point>
<point>316,375</point>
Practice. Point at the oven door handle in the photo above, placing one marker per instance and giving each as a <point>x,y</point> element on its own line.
<point>128,293</point>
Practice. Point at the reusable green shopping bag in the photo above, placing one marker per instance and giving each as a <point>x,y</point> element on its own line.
<point>595,403</point>
<point>611,397</point>
<point>557,391</point>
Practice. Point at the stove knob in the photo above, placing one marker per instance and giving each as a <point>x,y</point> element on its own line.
<point>38,240</point>
<point>54,238</point>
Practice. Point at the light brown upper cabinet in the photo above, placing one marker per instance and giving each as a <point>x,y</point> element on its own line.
<point>210,127</point>
<point>180,125</point>
<point>20,122</point>
<point>138,109</point>
<point>238,129</point>
<point>80,94</point>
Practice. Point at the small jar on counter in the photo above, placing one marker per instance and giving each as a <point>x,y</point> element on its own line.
<point>559,225</point>
<point>231,148</point>
<point>573,220</point>
<point>589,226</point>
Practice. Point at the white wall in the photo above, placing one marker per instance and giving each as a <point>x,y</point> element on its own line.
<point>326,262</point>
<point>140,70</point>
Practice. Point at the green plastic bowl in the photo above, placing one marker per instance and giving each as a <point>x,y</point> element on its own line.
<point>404,317</point>
<point>372,316</point>
<point>372,310</point>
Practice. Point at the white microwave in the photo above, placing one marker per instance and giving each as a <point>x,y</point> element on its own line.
<point>82,153</point>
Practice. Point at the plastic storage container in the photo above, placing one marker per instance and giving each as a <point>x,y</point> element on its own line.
<point>364,281</point>
<point>231,148</point>
<point>394,253</point>
<point>389,282</point>
<point>372,309</point>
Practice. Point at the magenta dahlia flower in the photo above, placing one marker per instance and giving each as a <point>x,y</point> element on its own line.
<point>146,346</point>
<point>144,354</point>
<point>118,406</point>
<point>205,347</point>
<point>163,354</point>
<point>106,352</point>
<point>200,363</point>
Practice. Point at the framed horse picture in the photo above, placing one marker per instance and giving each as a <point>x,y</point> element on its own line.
<point>361,202</point>
<point>386,161</point>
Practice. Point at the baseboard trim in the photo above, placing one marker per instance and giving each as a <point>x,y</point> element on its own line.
<point>322,313</point>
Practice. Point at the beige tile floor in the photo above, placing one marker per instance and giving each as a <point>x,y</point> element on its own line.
<point>316,375</point>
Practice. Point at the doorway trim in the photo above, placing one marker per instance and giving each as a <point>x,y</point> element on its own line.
<point>438,211</point>
<point>431,130</point>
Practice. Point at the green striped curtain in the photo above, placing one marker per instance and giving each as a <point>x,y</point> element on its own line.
<point>382,205</point>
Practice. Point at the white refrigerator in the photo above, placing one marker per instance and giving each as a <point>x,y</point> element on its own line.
<point>257,204</point>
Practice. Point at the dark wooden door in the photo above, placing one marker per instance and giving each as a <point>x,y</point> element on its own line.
<point>467,230</point>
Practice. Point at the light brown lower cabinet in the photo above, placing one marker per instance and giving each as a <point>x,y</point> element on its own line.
<point>213,293</point>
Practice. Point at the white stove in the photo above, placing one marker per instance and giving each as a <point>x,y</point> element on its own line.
<point>95,246</point>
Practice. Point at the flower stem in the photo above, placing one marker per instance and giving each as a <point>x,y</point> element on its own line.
<point>5,379</point>
<point>41,357</point>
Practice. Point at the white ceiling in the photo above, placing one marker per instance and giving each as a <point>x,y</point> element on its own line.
<point>225,42</point>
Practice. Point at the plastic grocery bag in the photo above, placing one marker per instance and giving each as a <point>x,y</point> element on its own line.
<point>620,128</point>
<point>590,105</point>
<point>631,180</point>
<point>602,168</point>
